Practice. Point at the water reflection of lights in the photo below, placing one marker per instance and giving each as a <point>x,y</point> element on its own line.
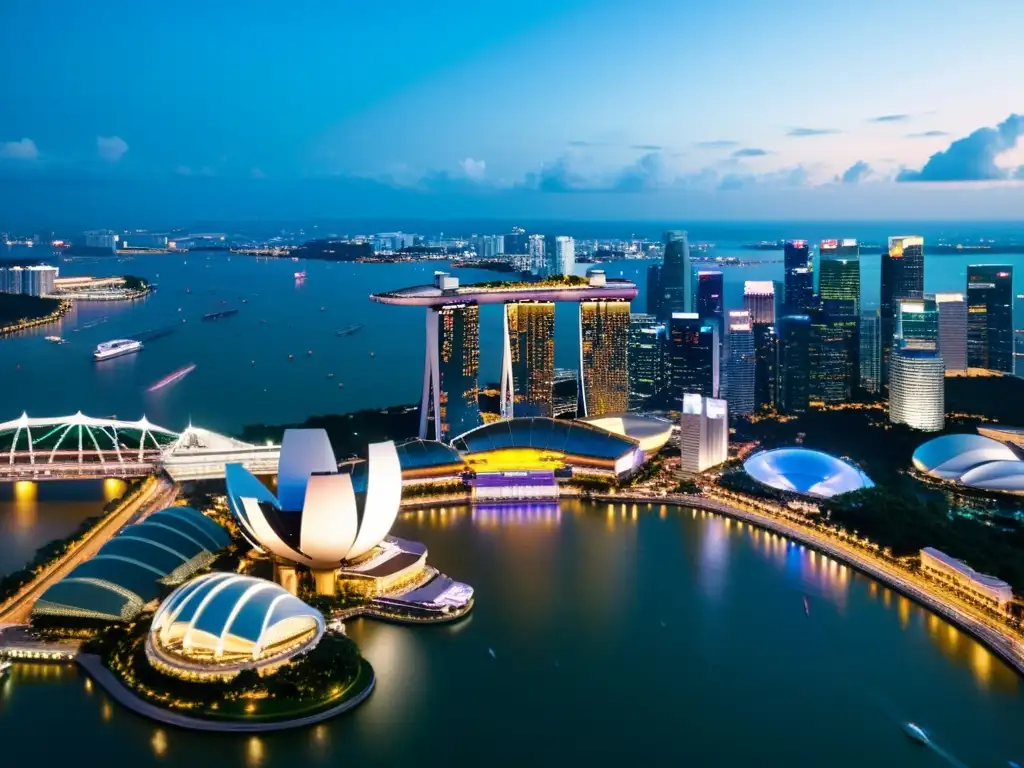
<point>25,507</point>
<point>113,488</point>
<point>714,557</point>
<point>25,490</point>
<point>320,736</point>
<point>255,752</point>
<point>491,515</point>
<point>396,654</point>
<point>106,711</point>
<point>159,742</point>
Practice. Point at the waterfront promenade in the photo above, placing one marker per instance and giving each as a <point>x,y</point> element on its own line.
<point>154,495</point>
<point>1001,639</point>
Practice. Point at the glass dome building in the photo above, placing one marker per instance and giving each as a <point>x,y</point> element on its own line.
<point>424,460</point>
<point>221,623</point>
<point>806,472</point>
<point>135,566</point>
<point>950,456</point>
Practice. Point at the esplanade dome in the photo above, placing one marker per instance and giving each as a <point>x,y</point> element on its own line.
<point>221,623</point>
<point>319,518</point>
<point>806,472</point>
<point>950,456</point>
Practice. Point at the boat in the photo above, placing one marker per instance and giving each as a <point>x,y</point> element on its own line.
<point>5,665</point>
<point>55,339</point>
<point>807,606</point>
<point>348,330</point>
<point>917,733</point>
<point>300,275</point>
<point>219,315</point>
<point>173,377</point>
<point>116,348</point>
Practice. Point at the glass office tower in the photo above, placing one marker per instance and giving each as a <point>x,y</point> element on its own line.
<point>871,351</point>
<point>759,300</point>
<point>710,291</point>
<point>839,272</point>
<point>793,370</point>
<point>675,274</point>
<point>604,356</point>
<point>990,317</point>
<point>741,365</point>
<point>902,278</point>
<point>766,360</point>
<point>917,323</point>
<point>528,362</point>
<point>799,274</point>
<point>952,309</point>
<point>654,291</point>
<point>450,405</point>
<point>835,352</point>
<point>693,357</point>
<point>646,359</point>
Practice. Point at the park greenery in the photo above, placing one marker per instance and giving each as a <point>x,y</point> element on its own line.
<point>20,307</point>
<point>53,550</point>
<point>349,433</point>
<point>134,283</point>
<point>323,677</point>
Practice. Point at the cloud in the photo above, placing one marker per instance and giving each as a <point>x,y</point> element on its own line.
<point>856,173</point>
<point>646,147</point>
<point>111,148</point>
<point>19,150</point>
<point>796,176</point>
<point>927,134</point>
<point>579,144</point>
<point>474,169</point>
<point>811,131</point>
<point>750,152</point>
<point>889,119</point>
<point>972,158</point>
<point>717,144</point>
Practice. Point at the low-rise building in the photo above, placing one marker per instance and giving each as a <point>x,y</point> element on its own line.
<point>959,576</point>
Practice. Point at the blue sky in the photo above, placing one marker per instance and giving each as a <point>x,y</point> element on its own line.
<point>581,108</point>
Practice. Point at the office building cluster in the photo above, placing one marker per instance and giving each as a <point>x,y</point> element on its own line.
<point>37,280</point>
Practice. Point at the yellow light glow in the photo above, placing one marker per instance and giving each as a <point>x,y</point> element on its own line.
<point>113,488</point>
<point>254,752</point>
<point>159,743</point>
<point>25,490</point>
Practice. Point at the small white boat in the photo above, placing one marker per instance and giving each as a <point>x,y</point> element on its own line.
<point>917,733</point>
<point>5,665</point>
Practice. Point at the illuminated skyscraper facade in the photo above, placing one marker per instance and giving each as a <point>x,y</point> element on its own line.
<point>535,250</point>
<point>834,352</point>
<point>917,388</point>
<point>952,308</point>
<point>703,433</point>
<point>766,363</point>
<point>528,362</point>
<point>646,359</point>
<point>655,297</point>
<point>741,365</point>
<point>871,352</point>
<point>675,274</point>
<point>917,323</point>
<point>799,285</point>
<point>709,296</point>
<point>839,271</point>
<point>693,357</point>
<point>759,301</point>
<point>604,356</point>
<point>990,317</point>
<point>565,255</point>
<point>793,370</point>
<point>450,405</point>
<point>902,278</point>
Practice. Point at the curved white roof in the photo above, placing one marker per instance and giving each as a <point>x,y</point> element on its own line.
<point>1005,476</point>
<point>801,470</point>
<point>950,456</point>
<point>227,617</point>
<point>651,433</point>
<point>330,525</point>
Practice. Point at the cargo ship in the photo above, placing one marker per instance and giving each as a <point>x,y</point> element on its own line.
<point>116,348</point>
<point>219,315</point>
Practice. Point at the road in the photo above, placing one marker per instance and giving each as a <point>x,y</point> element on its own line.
<point>157,495</point>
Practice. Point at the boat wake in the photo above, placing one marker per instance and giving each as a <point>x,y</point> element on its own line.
<point>169,379</point>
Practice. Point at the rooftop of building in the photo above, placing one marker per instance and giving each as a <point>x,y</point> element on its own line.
<point>963,568</point>
<point>541,433</point>
<point>553,289</point>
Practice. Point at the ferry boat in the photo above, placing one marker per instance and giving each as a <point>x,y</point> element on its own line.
<point>55,339</point>
<point>917,733</point>
<point>116,348</point>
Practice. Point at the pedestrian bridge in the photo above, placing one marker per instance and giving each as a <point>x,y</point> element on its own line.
<point>82,447</point>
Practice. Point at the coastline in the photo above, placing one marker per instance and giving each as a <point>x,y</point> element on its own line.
<point>24,325</point>
<point>1000,641</point>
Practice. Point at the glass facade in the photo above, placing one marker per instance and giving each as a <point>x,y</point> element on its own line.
<point>871,352</point>
<point>917,323</point>
<point>799,285</point>
<point>840,272</point>
<point>952,309</point>
<point>793,370</point>
<point>646,359</point>
<point>451,387</point>
<point>759,300</point>
<point>834,352</point>
<point>693,357</point>
<point>766,354</point>
<point>917,389</point>
<point>990,317</point>
<point>604,356</point>
<point>654,290</point>
<point>902,278</point>
<point>741,366</point>
<point>675,274</point>
<point>528,367</point>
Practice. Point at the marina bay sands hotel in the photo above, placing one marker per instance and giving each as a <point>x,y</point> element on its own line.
<point>450,406</point>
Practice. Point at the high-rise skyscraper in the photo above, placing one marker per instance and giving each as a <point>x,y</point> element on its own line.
<point>742,363</point>
<point>871,351</point>
<point>703,433</point>
<point>902,278</point>
<point>917,323</point>
<point>839,272</point>
<point>799,294</point>
<point>535,248</point>
<point>565,255</point>
<point>655,296</point>
<point>917,388</point>
<point>450,402</point>
<point>1018,339</point>
<point>793,369</point>
<point>834,352</point>
<point>646,359</point>
<point>517,242</point>
<point>759,300</point>
<point>766,362</point>
<point>710,290</point>
<point>528,362</point>
<point>990,317</point>
<point>675,274</point>
<point>693,357</point>
<point>604,356</point>
<point>952,309</point>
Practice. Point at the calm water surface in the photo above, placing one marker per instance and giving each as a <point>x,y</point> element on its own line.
<point>653,635</point>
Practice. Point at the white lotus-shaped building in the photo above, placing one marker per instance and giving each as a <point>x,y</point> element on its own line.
<point>319,518</point>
